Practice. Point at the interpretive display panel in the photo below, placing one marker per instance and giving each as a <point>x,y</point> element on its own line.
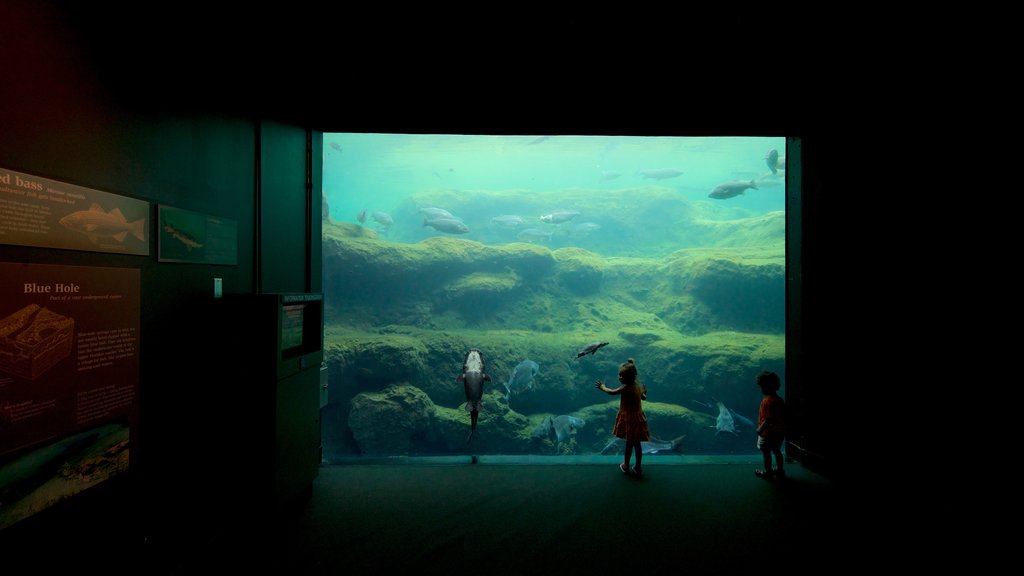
<point>69,372</point>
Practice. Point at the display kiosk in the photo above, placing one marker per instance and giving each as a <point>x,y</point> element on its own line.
<point>279,352</point>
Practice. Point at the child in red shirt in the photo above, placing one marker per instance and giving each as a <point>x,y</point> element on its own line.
<point>771,425</point>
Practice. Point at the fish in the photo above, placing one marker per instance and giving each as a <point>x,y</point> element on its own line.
<point>772,160</point>
<point>565,426</point>
<point>731,189</point>
<point>618,445</point>
<point>96,223</point>
<point>449,225</point>
<point>660,173</point>
<point>584,228</point>
<point>432,212</point>
<point>521,378</point>
<point>383,218</point>
<point>533,234</point>
<point>545,429</point>
<point>591,348</point>
<point>725,422</point>
<point>361,216</point>
<point>335,145</point>
<point>537,140</point>
<point>473,377</point>
<point>508,221</point>
<point>559,216</point>
<point>606,176</point>
<point>736,416</point>
<point>182,237</point>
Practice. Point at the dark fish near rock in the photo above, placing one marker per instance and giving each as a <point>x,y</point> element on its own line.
<point>591,348</point>
<point>473,378</point>
<point>449,225</point>
<point>660,173</point>
<point>731,189</point>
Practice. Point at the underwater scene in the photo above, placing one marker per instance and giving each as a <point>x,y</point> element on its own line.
<point>556,259</point>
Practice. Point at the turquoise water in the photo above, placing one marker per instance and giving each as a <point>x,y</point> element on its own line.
<point>690,284</point>
<point>376,172</point>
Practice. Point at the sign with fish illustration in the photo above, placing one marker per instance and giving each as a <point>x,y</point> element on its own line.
<point>69,380</point>
<point>37,211</point>
<point>187,236</point>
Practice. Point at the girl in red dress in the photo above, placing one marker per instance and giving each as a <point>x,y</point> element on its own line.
<point>631,422</point>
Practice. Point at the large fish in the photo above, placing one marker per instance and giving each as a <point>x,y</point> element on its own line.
<point>449,225</point>
<point>508,221</point>
<point>473,377</point>
<point>772,160</point>
<point>521,379</point>
<point>95,222</point>
<point>660,173</point>
<point>432,212</point>
<point>591,348</point>
<point>730,189</point>
<point>725,422</point>
<point>559,216</point>
<point>618,445</point>
<point>533,234</point>
<point>566,426</point>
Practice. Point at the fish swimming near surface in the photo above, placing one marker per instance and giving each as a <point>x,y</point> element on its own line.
<point>565,427</point>
<point>618,445</point>
<point>537,140</point>
<point>660,173</point>
<point>522,377</point>
<point>189,242</point>
<point>449,225</point>
<point>559,216</point>
<point>96,223</point>
<point>731,189</point>
<point>335,145</point>
<point>591,348</point>
<point>473,377</point>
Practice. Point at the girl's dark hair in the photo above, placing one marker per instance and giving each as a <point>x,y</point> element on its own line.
<point>629,369</point>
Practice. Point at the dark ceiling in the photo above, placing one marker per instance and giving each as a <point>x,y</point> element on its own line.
<point>346,72</point>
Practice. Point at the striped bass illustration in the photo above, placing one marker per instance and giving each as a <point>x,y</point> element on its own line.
<point>96,222</point>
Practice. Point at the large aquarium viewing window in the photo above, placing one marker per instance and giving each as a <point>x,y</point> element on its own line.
<point>533,249</point>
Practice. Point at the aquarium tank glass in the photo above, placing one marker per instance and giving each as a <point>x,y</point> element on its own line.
<point>558,258</point>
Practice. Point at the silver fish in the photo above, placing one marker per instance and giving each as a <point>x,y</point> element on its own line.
<point>521,378</point>
<point>533,234</point>
<point>508,221</point>
<point>660,173</point>
<point>559,216</point>
<point>449,225</point>
<point>565,426</point>
<point>731,189</point>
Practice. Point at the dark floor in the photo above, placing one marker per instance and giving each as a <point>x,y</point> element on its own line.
<point>498,518</point>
